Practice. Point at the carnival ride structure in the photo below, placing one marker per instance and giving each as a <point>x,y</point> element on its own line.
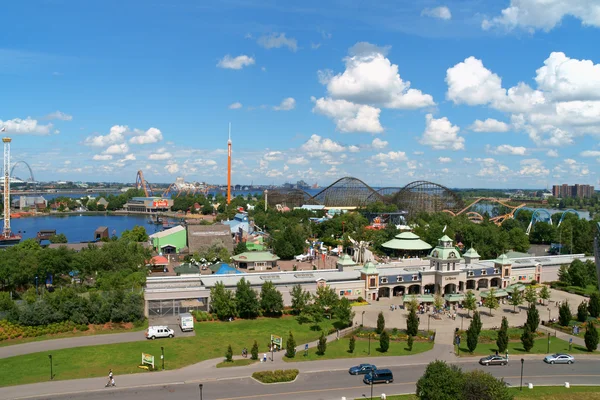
<point>476,217</point>
<point>141,183</point>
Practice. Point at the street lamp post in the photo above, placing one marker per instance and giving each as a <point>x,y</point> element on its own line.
<point>51,374</point>
<point>36,286</point>
<point>428,321</point>
<point>362,321</point>
<point>200,386</point>
<point>462,318</point>
<point>548,351</point>
<point>369,343</point>
<point>548,314</point>
<point>272,348</point>
<point>162,356</point>
<point>522,362</point>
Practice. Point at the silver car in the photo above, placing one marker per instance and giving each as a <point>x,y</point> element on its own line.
<point>559,358</point>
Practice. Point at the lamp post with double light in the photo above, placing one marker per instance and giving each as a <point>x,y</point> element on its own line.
<point>51,374</point>
<point>522,362</point>
<point>200,386</point>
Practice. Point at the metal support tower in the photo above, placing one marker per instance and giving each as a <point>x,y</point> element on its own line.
<point>6,230</point>
<point>229,166</point>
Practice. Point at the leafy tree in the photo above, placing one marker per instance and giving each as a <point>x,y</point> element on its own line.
<point>229,354</point>
<point>533,318</point>
<point>479,385</point>
<point>409,342</point>
<point>491,301</point>
<point>343,312</point>
<point>290,347</point>
<point>516,299</point>
<point>60,238</point>
<point>438,301</point>
<point>313,314</point>
<point>530,295</point>
<point>322,344</point>
<point>136,234</point>
<point>222,301</point>
<point>326,298</point>
<point>476,322</point>
<point>594,304</point>
<point>582,312</point>
<point>527,338</point>
<point>563,275</point>
<point>440,382</point>
<point>470,302</point>
<point>472,337</point>
<point>380,323</point>
<point>246,300</point>
<point>502,339</point>
<point>412,305</point>
<point>384,341</point>
<point>240,248</point>
<point>545,293</point>
<point>351,344</point>
<point>300,299</point>
<point>591,337</point>
<point>271,300</point>
<point>564,314</point>
<point>254,351</point>
<point>412,323</point>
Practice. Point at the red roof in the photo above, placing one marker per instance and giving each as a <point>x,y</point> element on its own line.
<point>160,260</point>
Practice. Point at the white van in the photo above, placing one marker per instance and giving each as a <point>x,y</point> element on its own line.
<point>154,332</point>
<point>186,322</point>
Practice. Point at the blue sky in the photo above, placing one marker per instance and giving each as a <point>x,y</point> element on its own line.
<point>466,93</point>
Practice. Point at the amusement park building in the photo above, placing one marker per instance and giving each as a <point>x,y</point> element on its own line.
<point>148,204</point>
<point>445,271</point>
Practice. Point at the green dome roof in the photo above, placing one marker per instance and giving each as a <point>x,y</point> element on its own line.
<point>369,269</point>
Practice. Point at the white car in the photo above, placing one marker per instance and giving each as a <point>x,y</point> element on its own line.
<point>302,257</point>
<point>154,332</point>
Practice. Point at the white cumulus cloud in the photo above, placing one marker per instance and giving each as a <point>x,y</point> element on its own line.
<point>60,116</point>
<point>391,156</point>
<point>172,168</point>
<point>510,150</point>
<point>300,160</point>
<point>238,62</point>
<point>440,134</point>
<point>317,144</point>
<point>25,126</point>
<point>552,153</point>
<point>102,157</point>
<point>277,40</point>
<point>286,104</point>
<point>441,12</point>
<point>379,144</point>
<point>444,159</point>
<point>533,167</point>
<point>115,135</point>
<point>569,79</point>
<point>273,156</point>
<point>117,149</point>
<point>489,125</point>
<point>348,116</point>
<point>235,106</point>
<point>152,135</point>
<point>590,153</point>
<point>160,156</point>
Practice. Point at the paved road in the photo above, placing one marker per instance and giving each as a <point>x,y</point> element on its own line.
<point>329,384</point>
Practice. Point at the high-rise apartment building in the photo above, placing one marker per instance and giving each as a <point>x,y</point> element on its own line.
<point>576,190</point>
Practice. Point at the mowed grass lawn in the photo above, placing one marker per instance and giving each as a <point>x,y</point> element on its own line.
<point>211,341</point>
<point>538,392</point>
<point>339,349</point>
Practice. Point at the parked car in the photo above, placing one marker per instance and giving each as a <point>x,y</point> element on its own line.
<point>362,369</point>
<point>154,332</point>
<point>379,376</point>
<point>493,360</point>
<point>302,257</point>
<point>559,358</point>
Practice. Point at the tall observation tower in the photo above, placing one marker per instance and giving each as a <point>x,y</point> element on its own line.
<point>7,238</point>
<point>229,166</point>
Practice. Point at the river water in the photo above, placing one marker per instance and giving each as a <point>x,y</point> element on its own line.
<point>80,228</point>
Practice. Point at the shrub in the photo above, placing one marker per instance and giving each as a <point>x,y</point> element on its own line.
<point>286,375</point>
<point>360,299</point>
<point>591,337</point>
<point>322,344</point>
<point>290,347</point>
<point>582,312</point>
<point>229,354</point>
<point>533,318</point>
<point>594,305</point>
<point>527,338</point>
<point>254,351</point>
<point>502,340</point>
<point>380,323</point>
<point>409,343</point>
<point>351,344</point>
<point>384,342</point>
<point>564,314</point>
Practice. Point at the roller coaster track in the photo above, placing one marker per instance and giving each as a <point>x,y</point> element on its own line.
<point>140,183</point>
<point>476,217</point>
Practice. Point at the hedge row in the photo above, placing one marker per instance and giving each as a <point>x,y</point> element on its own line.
<point>277,376</point>
<point>203,316</point>
<point>395,334</point>
<point>13,331</point>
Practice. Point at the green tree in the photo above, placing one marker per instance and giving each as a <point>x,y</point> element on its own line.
<point>530,295</point>
<point>545,294</point>
<point>438,301</point>
<point>343,312</point>
<point>409,342</point>
<point>533,318</point>
<point>254,351</point>
<point>516,299</point>
<point>271,300</point>
<point>412,305</point>
<point>136,234</point>
<point>594,304</point>
<point>502,339</point>
<point>313,314</point>
<point>229,354</point>
<point>480,385</point>
<point>440,382</point>
<point>491,301</point>
<point>384,341</point>
<point>472,337</point>
<point>300,299</point>
<point>222,301</point>
<point>564,314</point>
<point>380,323</point>
<point>290,347</point>
<point>60,238</point>
<point>322,344</point>
<point>240,248</point>
<point>527,338</point>
<point>591,337</point>
<point>412,323</point>
<point>470,302</point>
<point>327,298</point>
<point>246,300</point>
<point>563,275</point>
<point>582,312</point>
<point>476,322</point>
<point>351,344</point>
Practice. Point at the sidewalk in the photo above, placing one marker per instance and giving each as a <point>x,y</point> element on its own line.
<point>561,335</point>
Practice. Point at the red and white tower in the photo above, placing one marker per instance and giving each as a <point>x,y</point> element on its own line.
<point>6,230</point>
<point>229,166</point>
